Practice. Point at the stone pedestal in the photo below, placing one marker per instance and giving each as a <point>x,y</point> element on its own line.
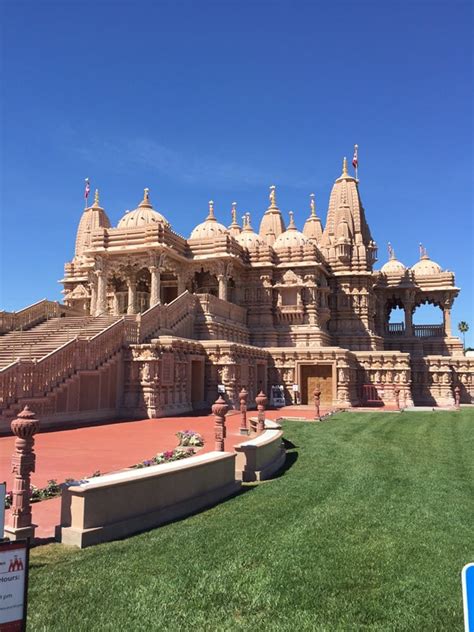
<point>219,410</point>
<point>243,396</point>
<point>261,401</point>
<point>24,427</point>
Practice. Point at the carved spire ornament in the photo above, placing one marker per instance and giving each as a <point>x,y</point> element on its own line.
<point>211,215</point>
<point>312,204</point>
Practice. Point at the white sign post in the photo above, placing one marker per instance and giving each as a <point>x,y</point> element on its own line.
<point>13,585</point>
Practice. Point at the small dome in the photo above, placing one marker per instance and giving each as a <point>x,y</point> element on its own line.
<point>248,238</point>
<point>210,227</point>
<point>393,266</point>
<point>143,214</point>
<point>291,238</point>
<point>425,266</point>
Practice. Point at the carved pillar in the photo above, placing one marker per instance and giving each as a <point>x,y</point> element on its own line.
<point>222,286</point>
<point>24,427</point>
<point>219,410</point>
<point>409,317</point>
<point>261,401</point>
<point>132,295</point>
<point>101,306</point>
<point>116,306</point>
<point>243,396</point>
<point>447,319</point>
<point>155,285</point>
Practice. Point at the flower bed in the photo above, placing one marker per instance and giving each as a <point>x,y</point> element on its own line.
<point>190,438</point>
<point>165,457</point>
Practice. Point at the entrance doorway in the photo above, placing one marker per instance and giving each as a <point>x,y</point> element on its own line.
<point>316,375</point>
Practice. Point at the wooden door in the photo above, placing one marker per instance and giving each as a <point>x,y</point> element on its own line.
<point>313,376</point>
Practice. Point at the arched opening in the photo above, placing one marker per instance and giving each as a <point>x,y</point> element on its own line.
<point>117,295</point>
<point>205,283</point>
<point>231,291</point>
<point>395,317</point>
<point>428,319</point>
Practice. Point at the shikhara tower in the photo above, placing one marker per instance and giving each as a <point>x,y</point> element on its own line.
<point>154,321</point>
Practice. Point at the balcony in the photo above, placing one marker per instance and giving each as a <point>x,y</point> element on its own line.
<point>419,331</point>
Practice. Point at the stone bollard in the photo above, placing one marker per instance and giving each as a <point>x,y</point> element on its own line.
<point>261,401</point>
<point>24,427</point>
<point>243,396</point>
<point>317,404</point>
<point>457,397</point>
<point>396,392</point>
<point>219,410</point>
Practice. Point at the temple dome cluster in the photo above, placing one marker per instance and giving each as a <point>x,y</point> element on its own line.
<point>425,266</point>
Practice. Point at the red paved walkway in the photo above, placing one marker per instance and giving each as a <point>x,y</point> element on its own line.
<point>80,452</point>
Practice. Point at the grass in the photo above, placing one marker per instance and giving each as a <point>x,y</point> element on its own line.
<point>367,529</point>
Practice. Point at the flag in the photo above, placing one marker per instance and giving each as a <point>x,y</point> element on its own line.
<point>87,189</point>
<point>355,158</point>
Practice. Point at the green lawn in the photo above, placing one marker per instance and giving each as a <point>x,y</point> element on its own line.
<point>367,529</point>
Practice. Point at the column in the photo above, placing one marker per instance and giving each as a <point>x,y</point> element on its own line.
<point>101,307</point>
<point>222,287</point>
<point>116,306</point>
<point>181,284</point>
<point>447,319</point>
<point>132,295</point>
<point>155,285</point>
<point>408,318</point>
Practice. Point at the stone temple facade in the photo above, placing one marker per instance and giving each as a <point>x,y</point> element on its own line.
<point>153,322</point>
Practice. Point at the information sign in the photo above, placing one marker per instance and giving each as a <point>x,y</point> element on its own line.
<point>467,579</point>
<point>13,585</point>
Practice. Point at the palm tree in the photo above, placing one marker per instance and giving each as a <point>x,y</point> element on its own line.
<point>463,328</point>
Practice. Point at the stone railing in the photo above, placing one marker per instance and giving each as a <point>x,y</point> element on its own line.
<point>170,318</point>
<point>428,331</point>
<point>395,329</point>
<point>31,378</point>
<point>31,315</point>
<point>216,307</point>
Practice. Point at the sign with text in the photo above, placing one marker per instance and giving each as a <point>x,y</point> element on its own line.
<point>467,579</point>
<point>13,585</point>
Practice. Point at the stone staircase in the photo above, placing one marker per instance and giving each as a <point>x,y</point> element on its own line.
<point>42,339</point>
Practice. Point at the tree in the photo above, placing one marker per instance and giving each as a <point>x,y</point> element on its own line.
<point>463,328</point>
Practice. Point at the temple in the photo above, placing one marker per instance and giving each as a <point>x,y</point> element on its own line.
<point>153,322</point>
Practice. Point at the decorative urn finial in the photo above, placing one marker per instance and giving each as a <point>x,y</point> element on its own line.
<point>211,215</point>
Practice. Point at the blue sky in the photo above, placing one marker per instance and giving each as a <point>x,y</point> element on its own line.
<point>218,100</point>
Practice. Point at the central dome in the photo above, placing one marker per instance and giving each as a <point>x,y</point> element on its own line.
<point>393,265</point>
<point>425,266</point>
<point>210,227</point>
<point>143,214</point>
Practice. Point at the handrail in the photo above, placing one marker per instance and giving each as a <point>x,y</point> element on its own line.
<point>31,315</point>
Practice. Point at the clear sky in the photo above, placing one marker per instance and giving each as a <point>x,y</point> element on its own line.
<point>218,100</point>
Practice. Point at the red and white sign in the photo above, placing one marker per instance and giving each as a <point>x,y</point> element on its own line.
<point>13,585</point>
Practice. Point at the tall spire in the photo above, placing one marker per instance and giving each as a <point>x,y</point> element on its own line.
<point>234,227</point>
<point>312,205</point>
<point>234,212</point>
<point>96,199</point>
<point>344,167</point>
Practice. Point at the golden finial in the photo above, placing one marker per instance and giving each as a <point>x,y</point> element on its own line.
<point>96,198</point>
<point>344,167</point>
<point>313,205</point>
<point>234,212</point>
<point>272,195</point>
<point>292,220</point>
<point>211,210</point>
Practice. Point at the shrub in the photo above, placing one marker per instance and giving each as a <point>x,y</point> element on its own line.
<point>190,438</point>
